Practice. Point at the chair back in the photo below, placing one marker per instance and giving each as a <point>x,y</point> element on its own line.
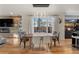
<point>21,34</point>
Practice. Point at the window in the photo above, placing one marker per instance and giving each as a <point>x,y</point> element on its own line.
<point>43,25</point>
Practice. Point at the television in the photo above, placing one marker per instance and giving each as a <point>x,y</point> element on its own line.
<point>6,22</point>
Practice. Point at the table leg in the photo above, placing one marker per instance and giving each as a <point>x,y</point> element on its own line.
<point>41,42</point>
<point>50,45</point>
<point>30,42</point>
<point>54,42</point>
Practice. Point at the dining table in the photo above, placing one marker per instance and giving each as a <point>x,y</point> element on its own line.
<point>29,38</point>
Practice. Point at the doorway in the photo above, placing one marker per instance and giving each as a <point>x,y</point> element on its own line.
<point>70,22</point>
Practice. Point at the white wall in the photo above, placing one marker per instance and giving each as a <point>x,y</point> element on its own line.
<point>26,23</point>
<point>62,28</point>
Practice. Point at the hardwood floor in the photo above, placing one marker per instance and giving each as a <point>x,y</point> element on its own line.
<point>64,48</point>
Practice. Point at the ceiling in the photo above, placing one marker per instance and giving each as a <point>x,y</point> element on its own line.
<point>28,9</point>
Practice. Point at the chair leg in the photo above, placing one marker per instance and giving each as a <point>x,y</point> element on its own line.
<point>20,42</point>
<point>58,41</point>
<point>54,42</point>
<point>24,44</point>
<point>40,44</point>
<point>50,45</point>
